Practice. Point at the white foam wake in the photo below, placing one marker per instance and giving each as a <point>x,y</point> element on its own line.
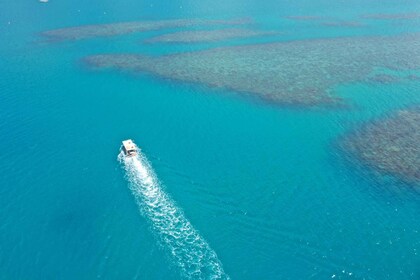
<point>191,253</point>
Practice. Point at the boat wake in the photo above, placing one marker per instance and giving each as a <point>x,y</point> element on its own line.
<point>191,253</point>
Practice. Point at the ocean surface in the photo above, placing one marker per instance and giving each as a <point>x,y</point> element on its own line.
<point>225,184</point>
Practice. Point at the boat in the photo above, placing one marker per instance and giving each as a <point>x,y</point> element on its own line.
<point>129,148</point>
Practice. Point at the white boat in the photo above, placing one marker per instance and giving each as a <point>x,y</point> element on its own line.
<point>43,1</point>
<point>129,148</point>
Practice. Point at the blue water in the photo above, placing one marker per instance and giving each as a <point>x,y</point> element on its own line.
<point>264,187</point>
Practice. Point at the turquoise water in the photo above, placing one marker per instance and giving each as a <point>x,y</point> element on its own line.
<point>264,186</point>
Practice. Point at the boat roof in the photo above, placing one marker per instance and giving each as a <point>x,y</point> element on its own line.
<point>129,145</point>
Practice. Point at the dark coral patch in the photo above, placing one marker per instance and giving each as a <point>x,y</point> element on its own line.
<point>393,16</point>
<point>391,145</point>
<point>119,28</point>
<point>304,18</point>
<point>342,24</point>
<point>293,73</point>
<point>195,36</point>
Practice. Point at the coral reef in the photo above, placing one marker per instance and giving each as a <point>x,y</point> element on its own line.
<point>385,79</point>
<point>112,29</point>
<point>413,77</point>
<point>206,35</point>
<point>342,24</point>
<point>304,17</point>
<point>390,145</point>
<point>292,73</point>
<point>392,16</point>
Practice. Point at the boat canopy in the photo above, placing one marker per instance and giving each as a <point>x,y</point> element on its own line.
<point>129,146</point>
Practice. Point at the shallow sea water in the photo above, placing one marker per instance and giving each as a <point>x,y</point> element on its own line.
<point>265,186</point>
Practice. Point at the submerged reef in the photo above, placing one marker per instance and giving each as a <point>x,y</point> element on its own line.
<point>290,73</point>
<point>207,35</point>
<point>112,29</point>
<point>342,24</point>
<point>385,79</point>
<point>304,17</point>
<point>413,77</point>
<point>390,145</point>
<point>392,16</point>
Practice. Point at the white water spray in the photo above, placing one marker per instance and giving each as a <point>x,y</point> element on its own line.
<point>191,253</point>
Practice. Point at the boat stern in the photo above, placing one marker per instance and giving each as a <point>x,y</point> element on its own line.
<point>129,148</point>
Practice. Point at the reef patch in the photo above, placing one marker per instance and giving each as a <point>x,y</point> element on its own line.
<point>385,79</point>
<point>302,73</point>
<point>338,23</point>
<point>390,145</point>
<point>392,16</point>
<point>304,17</point>
<point>196,36</point>
<point>120,28</point>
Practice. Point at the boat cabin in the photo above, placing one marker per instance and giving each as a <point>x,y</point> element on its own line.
<point>129,148</point>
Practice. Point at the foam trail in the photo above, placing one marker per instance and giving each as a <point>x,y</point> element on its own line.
<point>191,253</point>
